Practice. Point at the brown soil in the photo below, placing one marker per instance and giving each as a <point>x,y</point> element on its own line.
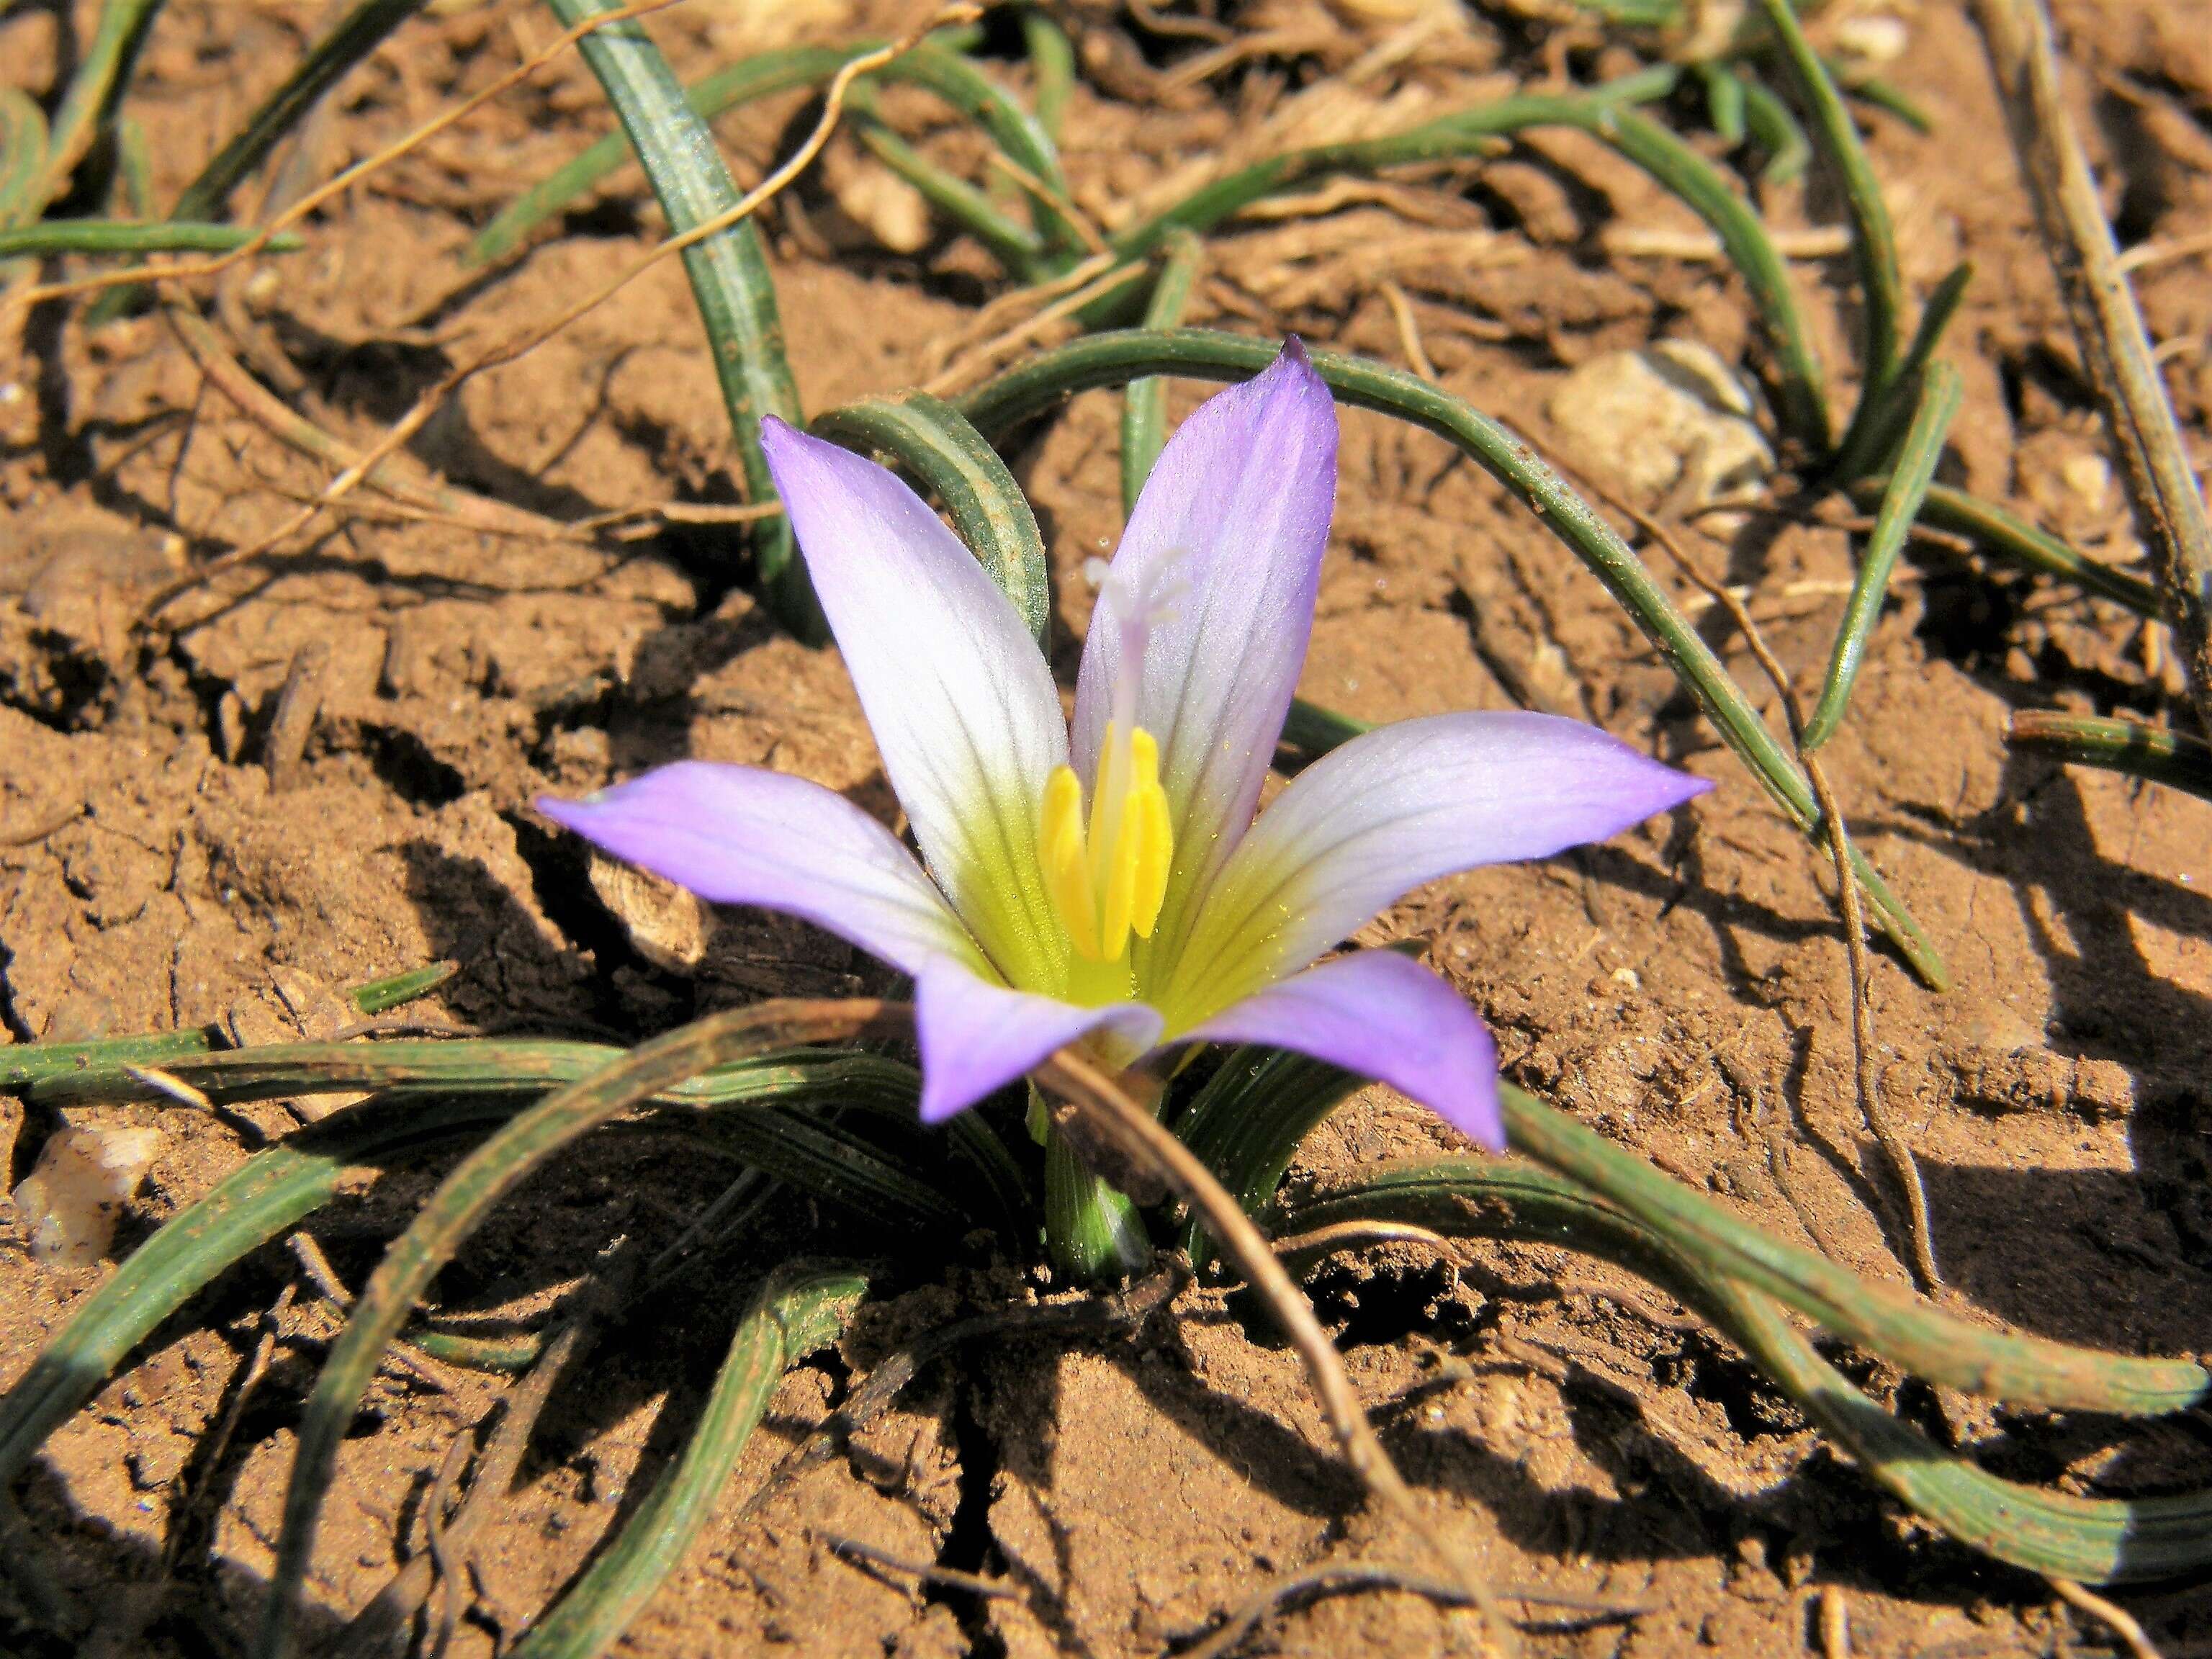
<point>1682,988</point>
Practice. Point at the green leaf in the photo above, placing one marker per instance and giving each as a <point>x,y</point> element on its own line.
<point>729,272</point>
<point>2025,1370</point>
<point>2090,1539</point>
<point>937,444</point>
<point>132,236</point>
<point>22,151</point>
<point>460,1204</point>
<point>88,107</point>
<point>2151,753</point>
<point>804,1307</point>
<point>1940,393</point>
<point>1249,1119</point>
<point>1113,359</point>
<point>356,35</point>
<point>932,64</point>
<point>1145,403</point>
<point>1874,240</point>
<point>1998,532</point>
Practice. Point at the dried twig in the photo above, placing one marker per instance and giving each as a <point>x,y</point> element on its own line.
<point>2169,509</point>
<point>526,340</point>
<point>1344,1578</point>
<point>30,296</point>
<point>1918,1230</point>
<point>2122,1623</point>
<point>929,1572</point>
<point>1107,1112</point>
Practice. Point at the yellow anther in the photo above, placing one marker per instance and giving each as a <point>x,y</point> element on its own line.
<point>1108,883</point>
<point>1067,871</point>
<point>1147,832</point>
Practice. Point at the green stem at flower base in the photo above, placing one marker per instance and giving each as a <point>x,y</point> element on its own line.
<point>1091,1230</point>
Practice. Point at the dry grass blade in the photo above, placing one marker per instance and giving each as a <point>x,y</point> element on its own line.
<point>526,340</point>
<point>2161,484</point>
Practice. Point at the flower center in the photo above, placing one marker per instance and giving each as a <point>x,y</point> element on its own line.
<point>1106,880</point>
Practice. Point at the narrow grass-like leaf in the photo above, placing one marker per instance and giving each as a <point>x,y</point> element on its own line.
<point>1314,731</point>
<point>1145,403</point>
<point>934,65</point>
<point>1113,359</point>
<point>1605,114</point>
<point>937,444</point>
<point>730,279</point>
<point>1873,239</point>
<point>355,36</point>
<point>1724,100</point>
<point>1867,448</point>
<point>1776,130</point>
<point>90,103</point>
<point>132,236</point>
<point>2092,1540</point>
<point>1052,68</point>
<point>460,1204</point>
<point>275,1189</point>
<point>98,1065</point>
<point>1249,1121</point>
<point>802,1308</point>
<point>1886,96</point>
<point>379,996</point>
<point>2027,1370</point>
<point>2153,752</point>
<point>2012,538</point>
<point>1012,244</point>
<point>22,149</point>
<point>1941,391</point>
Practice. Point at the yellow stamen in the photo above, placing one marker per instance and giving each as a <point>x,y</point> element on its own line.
<point>1108,879</point>
<point>1067,872</point>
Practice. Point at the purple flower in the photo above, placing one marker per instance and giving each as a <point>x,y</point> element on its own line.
<point>1109,884</point>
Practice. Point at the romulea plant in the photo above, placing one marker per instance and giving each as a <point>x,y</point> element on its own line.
<point>1106,884</point>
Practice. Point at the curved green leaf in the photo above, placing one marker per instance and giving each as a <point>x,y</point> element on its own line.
<point>936,442</point>
<point>133,236</point>
<point>2089,1540</point>
<point>1874,240</point>
<point>354,36</point>
<point>2152,752</point>
<point>729,272</point>
<point>802,1308</point>
<point>1941,391</point>
<point>2027,1370</point>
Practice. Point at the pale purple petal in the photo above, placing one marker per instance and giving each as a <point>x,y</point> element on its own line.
<point>959,697</point>
<point>1378,1015</point>
<point>737,834</point>
<point>1392,810</point>
<point>977,1036</point>
<point>1228,538</point>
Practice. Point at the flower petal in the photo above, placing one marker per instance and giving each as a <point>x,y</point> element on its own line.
<point>1227,539</point>
<point>960,699</point>
<point>977,1036</point>
<point>1376,1013</point>
<point>1391,809</point>
<point>737,834</point>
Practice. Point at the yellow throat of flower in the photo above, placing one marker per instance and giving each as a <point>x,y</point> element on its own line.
<point>1106,881</point>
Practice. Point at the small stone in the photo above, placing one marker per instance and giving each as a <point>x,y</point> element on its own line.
<point>69,1203</point>
<point>1670,422</point>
